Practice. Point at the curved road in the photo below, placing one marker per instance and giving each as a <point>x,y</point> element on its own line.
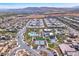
<point>22,44</point>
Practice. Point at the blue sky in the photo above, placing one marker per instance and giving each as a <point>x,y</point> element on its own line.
<point>23,5</point>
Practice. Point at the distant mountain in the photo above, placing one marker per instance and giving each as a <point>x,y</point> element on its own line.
<point>75,9</point>
<point>40,10</point>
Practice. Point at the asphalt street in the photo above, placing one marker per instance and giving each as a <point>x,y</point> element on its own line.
<point>22,44</point>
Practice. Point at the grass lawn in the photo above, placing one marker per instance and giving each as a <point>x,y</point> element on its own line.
<point>48,39</point>
<point>52,45</point>
<point>49,49</point>
<point>29,30</point>
<point>55,46</point>
<point>59,38</point>
<point>34,45</point>
<point>27,38</point>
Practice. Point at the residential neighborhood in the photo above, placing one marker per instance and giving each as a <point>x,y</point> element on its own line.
<point>39,31</point>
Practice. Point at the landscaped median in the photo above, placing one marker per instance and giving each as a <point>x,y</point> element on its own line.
<point>27,38</point>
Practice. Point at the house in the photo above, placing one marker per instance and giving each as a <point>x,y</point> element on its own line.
<point>73,35</point>
<point>59,31</point>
